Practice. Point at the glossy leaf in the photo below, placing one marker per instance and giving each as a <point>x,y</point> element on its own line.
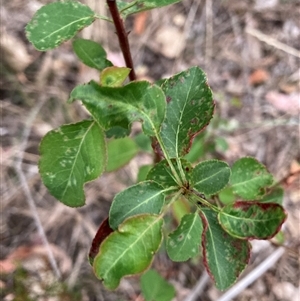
<point>190,108</point>
<point>249,178</point>
<point>120,152</point>
<point>252,220</point>
<point>159,290</point>
<point>161,173</point>
<point>91,54</point>
<point>144,197</point>
<point>275,196</point>
<point>113,76</point>
<point>210,176</point>
<point>71,156</point>
<point>224,256</point>
<point>57,22</point>
<point>103,231</point>
<point>185,241</point>
<point>129,250</point>
<point>137,6</point>
<point>137,101</point>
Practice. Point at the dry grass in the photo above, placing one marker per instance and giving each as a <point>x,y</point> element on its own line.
<point>230,40</point>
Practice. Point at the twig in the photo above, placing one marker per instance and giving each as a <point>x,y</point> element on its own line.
<point>199,287</point>
<point>252,276</point>
<point>273,42</point>
<point>29,198</point>
<point>209,32</point>
<point>122,36</point>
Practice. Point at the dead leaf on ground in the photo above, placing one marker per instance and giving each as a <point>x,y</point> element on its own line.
<point>171,41</point>
<point>288,103</point>
<point>140,22</point>
<point>24,254</point>
<point>258,77</point>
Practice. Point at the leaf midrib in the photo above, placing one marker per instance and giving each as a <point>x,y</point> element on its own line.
<point>76,157</point>
<point>132,245</point>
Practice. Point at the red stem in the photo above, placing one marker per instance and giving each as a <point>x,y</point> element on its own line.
<point>122,36</point>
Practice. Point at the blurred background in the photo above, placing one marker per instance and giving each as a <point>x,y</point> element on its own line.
<point>250,51</point>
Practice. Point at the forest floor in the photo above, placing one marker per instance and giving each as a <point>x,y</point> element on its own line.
<point>250,51</point>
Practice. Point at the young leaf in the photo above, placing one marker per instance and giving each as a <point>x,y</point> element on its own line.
<point>103,231</point>
<point>275,196</point>
<point>144,197</point>
<point>252,220</point>
<point>159,290</point>
<point>113,76</point>
<point>210,176</point>
<point>227,196</point>
<point>57,22</point>
<point>143,172</point>
<point>137,101</point>
<point>144,142</point>
<point>224,256</point>
<point>117,158</point>
<point>190,108</point>
<point>162,174</point>
<point>249,178</point>
<point>180,208</point>
<point>141,5</point>
<point>185,241</point>
<point>71,156</point>
<point>129,250</point>
<point>91,54</point>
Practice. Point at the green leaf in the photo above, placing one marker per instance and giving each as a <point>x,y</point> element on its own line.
<point>210,176</point>
<point>190,108</point>
<point>71,156</point>
<point>57,22</point>
<point>180,208</point>
<point>252,220</point>
<point>91,54</point>
<point>162,174</point>
<point>143,172</point>
<point>144,197</point>
<point>227,196</point>
<point>275,196</point>
<point>197,150</point>
<point>249,178</point>
<point>113,76</point>
<point>120,152</point>
<point>224,256</point>
<point>159,290</point>
<point>137,6</point>
<point>117,132</point>
<point>185,241</point>
<point>129,250</point>
<point>221,144</point>
<point>137,101</point>
<point>143,142</point>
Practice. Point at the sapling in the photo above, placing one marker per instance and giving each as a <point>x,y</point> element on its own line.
<point>172,112</point>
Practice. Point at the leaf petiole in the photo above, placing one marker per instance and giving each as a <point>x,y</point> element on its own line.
<point>104,18</point>
<point>129,5</point>
<point>166,155</point>
<point>202,200</point>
